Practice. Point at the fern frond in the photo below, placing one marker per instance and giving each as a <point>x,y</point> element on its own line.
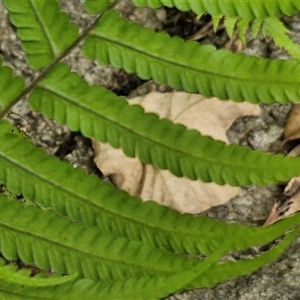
<point>19,230</point>
<point>55,243</point>
<point>15,284</point>
<point>10,86</point>
<point>276,29</point>
<point>86,198</point>
<point>64,96</point>
<point>269,27</point>
<point>40,25</point>
<point>38,237</point>
<point>189,66</point>
<point>247,9</point>
<point>83,197</point>
<point>243,12</point>
<point>232,269</point>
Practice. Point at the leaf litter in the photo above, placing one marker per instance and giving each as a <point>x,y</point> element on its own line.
<point>292,190</point>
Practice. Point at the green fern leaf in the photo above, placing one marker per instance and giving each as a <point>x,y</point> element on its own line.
<point>143,287</point>
<point>37,228</point>
<point>84,197</point>
<point>55,243</point>
<point>10,87</point>
<point>96,6</point>
<point>80,196</point>
<point>275,28</point>
<point>230,25</point>
<point>139,288</point>
<point>233,269</point>
<point>242,27</point>
<point>18,285</point>
<point>40,25</point>
<point>247,9</point>
<point>256,27</point>
<point>189,66</point>
<point>216,21</point>
<point>66,97</point>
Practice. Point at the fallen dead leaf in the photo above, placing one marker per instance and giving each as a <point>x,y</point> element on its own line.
<point>210,116</point>
<point>292,190</point>
<point>288,208</point>
<point>292,127</point>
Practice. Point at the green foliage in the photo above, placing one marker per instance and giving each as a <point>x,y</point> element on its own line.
<point>273,27</point>
<point>241,14</point>
<point>10,86</point>
<point>203,70</point>
<point>232,269</point>
<point>268,27</point>
<point>66,97</point>
<point>247,9</point>
<point>18,285</point>
<point>101,242</point>
<point>40,25</point>
<point>96,6</point>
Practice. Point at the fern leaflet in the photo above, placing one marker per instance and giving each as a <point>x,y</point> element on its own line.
<point>247,9</point>
<point>231,269</point>
<point>277,30</point>
<point>40,24</point>
<point>10,87</point>
<point>52,242</point>
<point>16,284</point>
<point>269,27</point>
<point>189,66</point>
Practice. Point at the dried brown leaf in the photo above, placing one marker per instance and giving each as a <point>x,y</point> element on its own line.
<point>288,208</point>
<point>292,127</point>
<point>292,204</point>
<point>210,116</point>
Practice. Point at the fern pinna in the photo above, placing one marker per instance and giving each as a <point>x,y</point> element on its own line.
<point>100,242</point>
